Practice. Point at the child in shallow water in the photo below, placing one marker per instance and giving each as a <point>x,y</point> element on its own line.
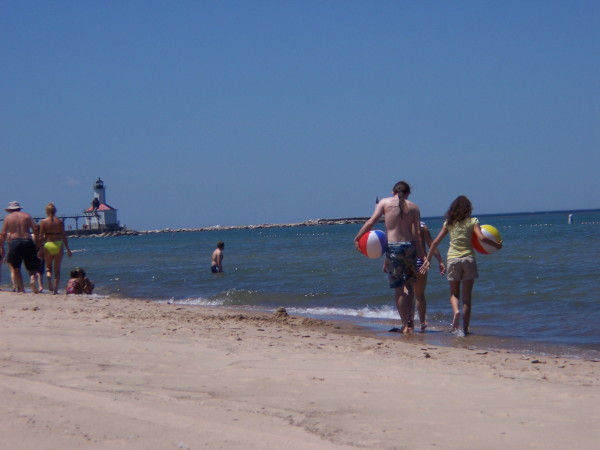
<point>461,267</point>
<point>79,283</point>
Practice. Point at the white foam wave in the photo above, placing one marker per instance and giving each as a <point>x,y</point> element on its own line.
<point>367,312</point>
<point>194,302</point>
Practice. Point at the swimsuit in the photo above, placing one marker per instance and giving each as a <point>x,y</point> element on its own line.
<point>53,247</point>
<point>402,257</point>
<point>20,250</point>
<point>74,286</point>
<point>214,269</point>
<point>420,260</point>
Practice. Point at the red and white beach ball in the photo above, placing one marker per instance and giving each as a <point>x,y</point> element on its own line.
<point>489,232</point>
<point>373,243</point>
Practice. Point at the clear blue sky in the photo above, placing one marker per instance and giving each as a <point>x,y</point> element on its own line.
<point>197,113</point>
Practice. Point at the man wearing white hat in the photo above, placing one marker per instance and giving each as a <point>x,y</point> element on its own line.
<point>18,227</point>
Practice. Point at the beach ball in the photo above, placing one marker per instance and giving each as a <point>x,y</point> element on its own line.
<point>489,232</point>
<point>52,248</point>
<point>373,243</point>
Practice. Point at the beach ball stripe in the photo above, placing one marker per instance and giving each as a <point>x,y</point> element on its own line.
<point>373,243</point>
<point>489,232</point>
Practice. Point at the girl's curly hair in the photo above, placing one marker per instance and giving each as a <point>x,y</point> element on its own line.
<point>460,209</point>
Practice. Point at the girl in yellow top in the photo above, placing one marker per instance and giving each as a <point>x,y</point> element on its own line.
<point>461,267</point>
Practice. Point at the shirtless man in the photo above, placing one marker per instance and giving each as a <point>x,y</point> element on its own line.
<point>216,260</point>
<point>19,227</point>
<point>404,247</point>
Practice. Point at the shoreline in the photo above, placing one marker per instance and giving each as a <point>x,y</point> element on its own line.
<point>378,328</point>
<point>436,334</point>
<point>440,335</point>
<point>99,372</point>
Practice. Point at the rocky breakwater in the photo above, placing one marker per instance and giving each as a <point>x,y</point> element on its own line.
<point>308,223</point>
<point>122,232</point>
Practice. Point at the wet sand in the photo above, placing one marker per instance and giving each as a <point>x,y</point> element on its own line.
<point>99,373</point>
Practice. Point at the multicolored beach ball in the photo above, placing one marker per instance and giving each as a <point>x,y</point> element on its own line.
<point>373,243</point>
<point>489,232</point>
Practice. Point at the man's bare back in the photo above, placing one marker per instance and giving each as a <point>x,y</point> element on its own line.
<point>18,225</point>
<point>399,223</point>
<point>216,260</point>
<point>18,228</point>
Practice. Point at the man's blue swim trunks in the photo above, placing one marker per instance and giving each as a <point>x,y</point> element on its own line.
<point>402,265</point>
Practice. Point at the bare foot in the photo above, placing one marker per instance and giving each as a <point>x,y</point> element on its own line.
<point>456,320</point>
<point>424,325</point>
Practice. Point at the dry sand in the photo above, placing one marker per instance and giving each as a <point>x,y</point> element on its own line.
<point>89,372</point>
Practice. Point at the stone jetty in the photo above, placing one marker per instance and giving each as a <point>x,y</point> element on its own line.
<point>308,223</point>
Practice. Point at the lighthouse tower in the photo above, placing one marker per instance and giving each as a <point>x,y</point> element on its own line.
<point>100,216</point>
<point>99,191</point>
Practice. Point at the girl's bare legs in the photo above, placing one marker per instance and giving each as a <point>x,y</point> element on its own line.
<point>17,279</point>
<point>466,298</point>
<point>57,261</point>
<point>421,303</point>
<point>53,271</point>
<point>454,301</point>
<point>40,278</point>
<point>404,298</point>
<point>48,258</point>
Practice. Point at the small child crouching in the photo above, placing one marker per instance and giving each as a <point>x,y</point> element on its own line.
<point>79,283</point>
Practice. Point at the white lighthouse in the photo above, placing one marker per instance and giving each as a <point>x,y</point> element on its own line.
<point>100,216</point>
<point>99,191</point>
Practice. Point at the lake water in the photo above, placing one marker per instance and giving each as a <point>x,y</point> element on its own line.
<point>539,293</point>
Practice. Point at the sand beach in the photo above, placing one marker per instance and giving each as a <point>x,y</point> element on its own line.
<point>100,373</point>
